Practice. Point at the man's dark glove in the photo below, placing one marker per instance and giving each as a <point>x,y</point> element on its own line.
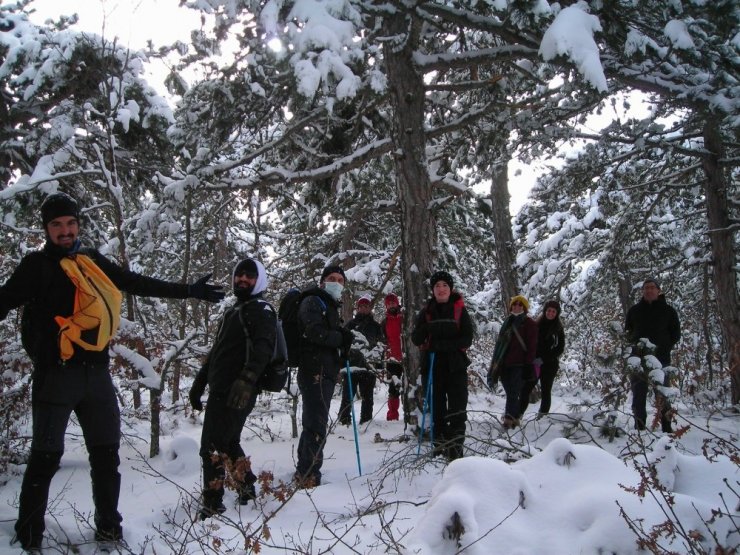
<point>205,291</point>
<point>196,392</point>
<point>347,338</point>
<point>492,378</point>
<point>194,396</point>
<point>528,373</point>
<point>239,395</point>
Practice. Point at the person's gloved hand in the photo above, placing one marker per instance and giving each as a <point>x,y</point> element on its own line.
<point>239,395</point>
<point>347,338</point>
<point>493,376</point>
<point>194,395</point>
<point>205,291</point>
<point>197,390</point>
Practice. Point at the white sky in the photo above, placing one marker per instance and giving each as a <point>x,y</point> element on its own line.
<point>133,22</point>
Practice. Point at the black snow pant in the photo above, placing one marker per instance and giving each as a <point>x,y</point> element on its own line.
<point>548,371</point>
<point>220,447</point>
<point>640,389</point>
<point>512,379</point>
<point>529,382</point>
<point>449,410</point>
<point>395,377</point>
<point>316,392</point>
<point>87,390</point>
<point>364,381</point>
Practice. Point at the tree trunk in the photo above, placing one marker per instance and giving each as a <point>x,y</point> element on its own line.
<point>414,188</point>
<point>723,249</point>
<point>503,237</point>
<point>624,289</point>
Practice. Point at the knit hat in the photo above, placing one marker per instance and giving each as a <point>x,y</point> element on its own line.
<point>363,300</point>
<point>440,275</point>
<point>332,270</point>
<point>58,205</point>
<point>651,280</point>
<point>552,304</point>
<point>522,299</point>
<point>391,297</point>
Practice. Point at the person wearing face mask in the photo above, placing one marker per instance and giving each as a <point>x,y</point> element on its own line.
<point>392,327</point>
<point>324,347</point>
<point>71,299</point>
<point>513,357</point>
<point>243,347</point>
<point>444,327</point>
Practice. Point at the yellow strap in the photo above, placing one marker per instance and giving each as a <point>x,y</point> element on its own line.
<point>97,305</point>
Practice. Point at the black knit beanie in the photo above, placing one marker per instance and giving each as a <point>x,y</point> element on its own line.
<point>440,275</point>
<point>58,205</point>
<point>332,270</point>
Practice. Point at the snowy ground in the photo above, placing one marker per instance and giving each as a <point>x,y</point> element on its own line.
<point>528,492</point>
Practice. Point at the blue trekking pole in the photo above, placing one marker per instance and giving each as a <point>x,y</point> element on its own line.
<point>428,403</point>
<point>354,422</point>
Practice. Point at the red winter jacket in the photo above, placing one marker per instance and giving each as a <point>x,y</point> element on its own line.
<point>392,326</point>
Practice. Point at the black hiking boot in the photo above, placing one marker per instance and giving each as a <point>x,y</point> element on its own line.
<point>211,511</point>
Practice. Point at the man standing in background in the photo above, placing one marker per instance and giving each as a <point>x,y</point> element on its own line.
<point>654,319</point>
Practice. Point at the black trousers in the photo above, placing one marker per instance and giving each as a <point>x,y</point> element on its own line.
<point>87,390</point>
<point>395,377</point>
<point>512,378</point>
<point>548,371</point>
<point>220,446</point>
<point>640,389</point>
<point>364,381</point>
<point>449,410</point>
<point>316,392</point>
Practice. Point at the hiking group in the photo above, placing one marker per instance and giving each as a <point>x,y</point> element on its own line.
<point>71,300</point>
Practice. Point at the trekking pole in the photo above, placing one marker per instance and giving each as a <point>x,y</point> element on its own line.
<point>354,422</point>
<point>427,403</point>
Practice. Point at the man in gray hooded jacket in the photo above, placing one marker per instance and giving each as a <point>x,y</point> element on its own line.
<point>243,347</point>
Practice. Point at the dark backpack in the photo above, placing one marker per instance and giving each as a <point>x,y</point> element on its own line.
<point>276,372</point>
<point>288,316</point>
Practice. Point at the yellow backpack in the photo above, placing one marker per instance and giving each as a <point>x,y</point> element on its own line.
<point>97,308</point>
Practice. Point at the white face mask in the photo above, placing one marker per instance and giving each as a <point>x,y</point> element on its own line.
<point>334,289</point>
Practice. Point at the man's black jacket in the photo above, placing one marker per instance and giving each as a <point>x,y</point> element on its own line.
<point>228,358</point>
<point>41,286</point>
<point>658,322</point>
<point>321,334</point>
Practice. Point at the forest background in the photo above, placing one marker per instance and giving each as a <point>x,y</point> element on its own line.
<point>378,136</point>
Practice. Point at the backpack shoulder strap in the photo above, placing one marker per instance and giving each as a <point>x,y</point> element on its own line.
<point>519,337</point>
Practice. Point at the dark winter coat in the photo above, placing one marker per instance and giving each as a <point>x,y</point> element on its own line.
<point>446,330</point>
<point>656,321</point>
<point>321,336</point>
<point>509,351</point>
<point>41,286</point>
<point>367,326</point>
<point>234,354</point>
<point>550,340</point>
